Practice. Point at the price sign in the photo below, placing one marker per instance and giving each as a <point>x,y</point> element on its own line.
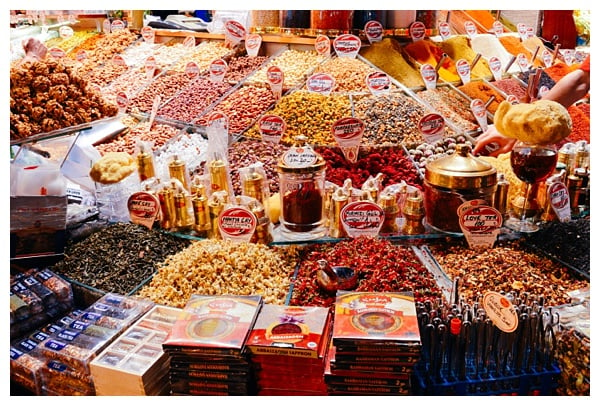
<point>323,45</point>
<point>81,55</point>
<point>444,29</point>
<point>432,127</point>
<point>271,127</point>
<point>150,67</point>
<point>378,83</point>
<point>192,70</point>
<point>253,42</point>
<point>362,218</point>
<point>299,157</point>
<point>234,33</point>
<point>275,77</point>
<point>522,30</point>
<point>429,76</point>
<point>217,70</point>
<point>558,196</point>
<point>480,223</point>
<point>464,70</point>
<point>56,53</point>
<point>348,133</point>
<point>117,25</point>
<point>118,60</point>
<point>322,83</point>
<point>495,65</point>
<point>144,208</point>
<point>373,31</point>
<point>417,31</point>
<point>237,224</point>
<point>497,28</point>
<point>470,29</point>
<point>148,34</point>
<point>523,62</point>
<point>189,42</point>
<point>122,100</point>
<point>480,113</point>
<point>346,45</point>
<point>106,26</point>
<point>547,58</point>
<point>65,32</point>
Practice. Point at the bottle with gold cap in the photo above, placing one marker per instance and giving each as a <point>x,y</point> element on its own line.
<point>145,163</point>
<point>218,172</point>
<point>216,204</point>
<point>178,170</point>
<point>253,183</point>
<point>262,232</point>
<point>183,220</point>
<point>414,213</point>
<point>166,199</point>
<point>389,204</point>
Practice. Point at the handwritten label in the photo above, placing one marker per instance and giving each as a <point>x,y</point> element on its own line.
<point>271,127</point>
<point>348,133</point>
<point>495,65</point>
<point>117,25</point>
<point>417,31</point>
<point>150,67</point>
<point>275,77</point>
<point>189,42</point>
<point>299,157</point>
<point>322,83</point>
<point>346,45</point>
<point>501,311</point>
<point>429,76</point>
<point>378,83</point>
<point>480,113</point>
<point>217,70</point>
<point>81,55</point>
<point>470,29</point>
<point>144,208</point>
<point>463,67</point>
<point>252,43</point>
<point>148,34</point>
<point>522,62</point>
<point>522,30</point>
<point>323,45</point>
<point>432,127</point>
<point>444,29</point>
<point>56,53</point>
<point>373,31</point>
<point>237,224</point>
<point>122,100</point>
<point>106,26</point>
<point>362,218</point>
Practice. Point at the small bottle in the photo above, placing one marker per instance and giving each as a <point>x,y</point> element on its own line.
<point>145,164</point>
<point>201,212</point>
<point>178,170</point>
<point>218,175</point>
<point>182,217</point>
<point>501,195</point>
<point>167,207</point>
<point>389,204</point>
<point>414,212</point>
<point>215,207</point>
<point>262,232</point>
<point>338,200</point>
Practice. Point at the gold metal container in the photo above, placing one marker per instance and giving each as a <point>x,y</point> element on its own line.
<point>167,208</point>
<point>452,180</point>
<point>145,166</point>
<point>178,170</point>
<point>252,185</point>
<point>338,200</point>
<point>414,213</point>
<point>201,212</point>
<point>218,176</point>
<point>501,195</point>
<point>389,204</point>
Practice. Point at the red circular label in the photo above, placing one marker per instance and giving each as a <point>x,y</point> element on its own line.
<point>346,44</point>
<point>495,64</point>
<point>478,108</point>
<point>320,83</point>
<point>348,128</point>
<point>559,195</point>
<point>432,124</point>
<point>148,34</point>
<point>253,41</point>
<point>417,30</point>
<point>274,75</point>
<point>56,53</point>
<point>470,28</point>
<point>217,67</point>
<point>237,222</point>
<point>322,44</point>
<point>463,67</point>
<point>122,100</point>
<point>481,219</point>
<point>373,29</point>
<point>271,125</point>
<point>444,29</point>
<point>362,215</point>
<point>378,81</point>
<point>428,72</point>
<point>235,29</point>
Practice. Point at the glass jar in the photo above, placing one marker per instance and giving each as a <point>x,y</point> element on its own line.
<point>452,180</point>
<point>294,22</point>
<point>361,17</point>
<point>302,189</point>
<point>331,22</point>
<point>264,21</point>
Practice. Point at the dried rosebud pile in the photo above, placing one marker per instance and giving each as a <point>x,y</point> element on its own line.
<point>381,267</point>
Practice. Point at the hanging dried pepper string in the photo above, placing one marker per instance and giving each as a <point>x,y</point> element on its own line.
<point>381,267</point>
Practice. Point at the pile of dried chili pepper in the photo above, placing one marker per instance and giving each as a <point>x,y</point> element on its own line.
<point>392,162</point>
<point>380,265</point>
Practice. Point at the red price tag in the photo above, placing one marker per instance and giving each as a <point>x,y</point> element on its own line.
<point>320,83</point>
<point>429,76</point>
<point>378,82</point>
<point>271,127</point>
<point>346,45</point>
<point>373,31</point>
<point>144,208</point>
<point>444,29</point>
<point>470,28</point>
<point>322,45</point>
<point>417,31</point>
<point>237,224</point>
<point>433,127</point>
<point>148,34</point>
<point>362,218</point>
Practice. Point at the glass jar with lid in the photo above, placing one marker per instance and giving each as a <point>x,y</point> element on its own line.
<point>302,189</point>
<point>331,22</point>
<point>452,180</point>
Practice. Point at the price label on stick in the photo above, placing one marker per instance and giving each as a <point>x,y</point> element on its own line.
<point>217,69</point>
<point>470,29</point>
<point>444,29</point>
<point>144,208</point>
<point>464,70</point>
<point>373,31</point>
<point>429,76</point>
<point>275,78</point>
<point>253,42</point>
<point>271,127</point>
<point>417,31</point>
<point>480,113</point>
<point>235,32</point>
<point>432,127</point>
<point>237,224</point>
<point>378,83</point>
<point>148,34</point>
<point>496,67</point>
<point>323,45</point>
<point>346,45</point>
<point>547,58</point>
<point>320,83</point>
<point>348,133</point>
<point>501,311</point>
<point>497,28</point>
<point>479,223</point>
<point>362,218</point>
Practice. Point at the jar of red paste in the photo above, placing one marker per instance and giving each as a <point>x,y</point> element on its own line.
<point>452,180</point>
<point>331,22</point>
<point>302,189</point>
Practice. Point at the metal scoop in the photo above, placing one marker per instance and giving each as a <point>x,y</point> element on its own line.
<point>334,278</point>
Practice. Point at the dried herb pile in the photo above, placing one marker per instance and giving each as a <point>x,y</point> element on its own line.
<point>118,258</point>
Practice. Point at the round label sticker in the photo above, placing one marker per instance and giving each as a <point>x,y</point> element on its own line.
<point>373,31</point>
<point>81,55</point>
<point>119,60</point>
<point>189,42</point>
<point>218,67</point>
<point>497,28</point>
<point>501,311</point>
<point>150,67</point>
<point>235,30</point>
<point>522,30</point>
<point>559,195</point>
<point>106,26</point>
<point>346,45</point>
<point>522,61</point>
<point>192,69</point>
<point>444,29</point>
<point>417,30</point>
<point>65,32</point>
<point>348,128</point>
<point>322,45</point>
<point>464,70</point>
<point>271,126</point>
<point>122,100</point>
<point>429,76</point>
<point>478,108</point>
<point>481,219</point>
<point>432,125</point>
<point>144,208</point>
<point>253,41</point>
<point>237,223</point>
<point>495,64</point>
<point>117,25</point>
<point>547,58</point>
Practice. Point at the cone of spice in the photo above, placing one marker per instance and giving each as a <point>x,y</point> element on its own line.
<point>387,56</point>
<point>459,47</point>
<point>426,51</point>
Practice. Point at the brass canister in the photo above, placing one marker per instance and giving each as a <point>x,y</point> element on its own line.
<point>145,166</point>
<point>178,170</point>
<point>167,207</point>
<point>338,200</point>
<point>182,217</point>
<point>389,204</point>
<point>414,213</point>
<point>218,176</point>
<point>262,232</point>
<point>252,185</point>
<point>215,207</point>
<point>201,213</point>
